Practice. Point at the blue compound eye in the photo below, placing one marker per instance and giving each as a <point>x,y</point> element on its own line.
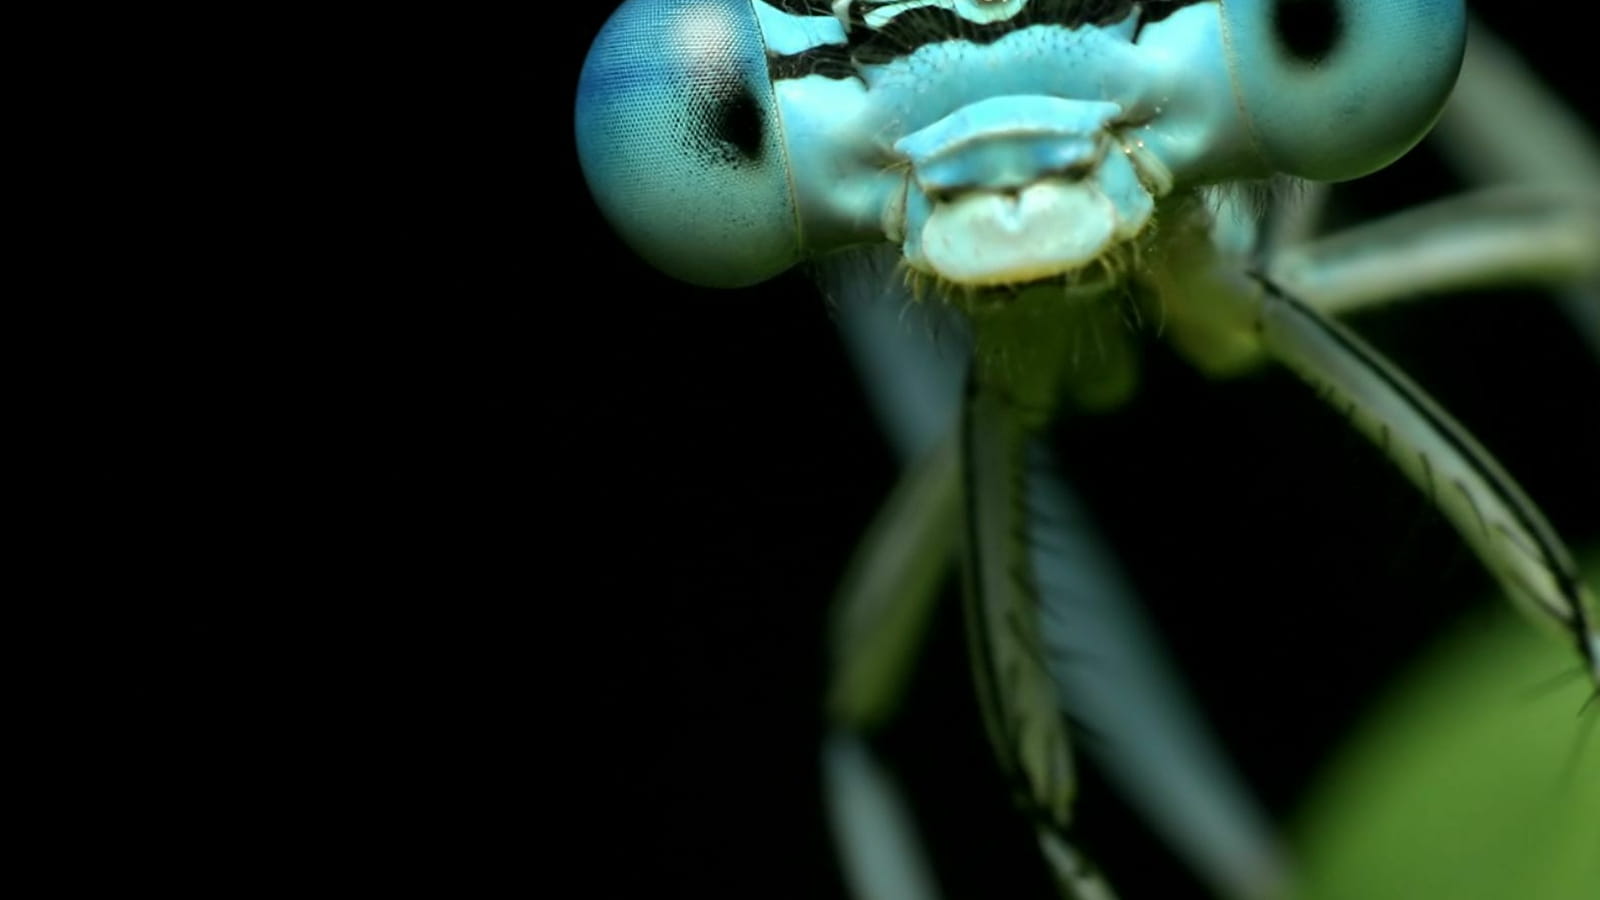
<point>680,140</point>
<point>1334,89</point>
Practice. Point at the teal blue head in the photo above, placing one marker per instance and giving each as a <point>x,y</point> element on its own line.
<point>992,141</point>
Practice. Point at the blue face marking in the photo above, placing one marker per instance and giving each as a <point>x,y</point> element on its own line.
<point>727,140</point>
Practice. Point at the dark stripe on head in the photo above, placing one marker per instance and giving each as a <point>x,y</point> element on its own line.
<point>921,26</point>
<point>803,7</point>
<point>925,25</point>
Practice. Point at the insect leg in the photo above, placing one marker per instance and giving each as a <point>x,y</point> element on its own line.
<point>1503,527</point>
<point>1513,235</point>
<point>883,604</point>
<point>1110,669</point>
<point>1015,688</point>
<point>1144,732</point>
<point>879,853</point>
<point>1502,125</point>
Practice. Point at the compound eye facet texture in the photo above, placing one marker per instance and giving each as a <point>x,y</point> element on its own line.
<point>1335,89</point>
<point>680,140</point>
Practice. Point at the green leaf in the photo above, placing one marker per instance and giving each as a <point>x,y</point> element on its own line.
<point>1476,778</point>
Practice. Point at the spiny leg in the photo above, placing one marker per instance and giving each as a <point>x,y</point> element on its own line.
<point>1503,527</point>
<point>882,606</point>
<point>1015,690</point>
<point>1150,740</point>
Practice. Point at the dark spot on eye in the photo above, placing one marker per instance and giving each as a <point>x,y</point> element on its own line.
<point>724,125</point>
<point>1308,30</point>
<point>737,123</point>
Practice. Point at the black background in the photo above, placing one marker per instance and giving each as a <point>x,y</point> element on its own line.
<point>451,545</point>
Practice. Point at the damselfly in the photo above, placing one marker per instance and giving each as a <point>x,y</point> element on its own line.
<point>1059,182</point>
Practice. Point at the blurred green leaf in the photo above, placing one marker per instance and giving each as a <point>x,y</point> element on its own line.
<point>1477,777</point>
